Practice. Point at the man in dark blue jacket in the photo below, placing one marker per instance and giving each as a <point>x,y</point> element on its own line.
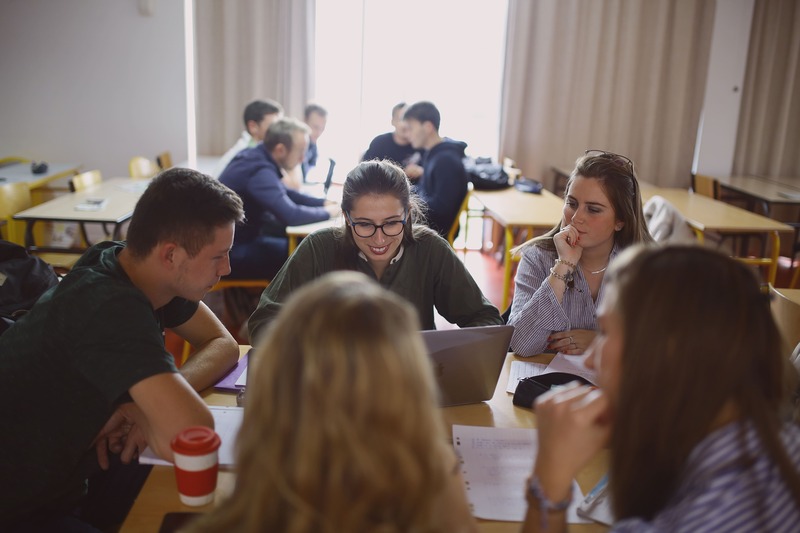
<point>260,246</point>
<point>443,185</point>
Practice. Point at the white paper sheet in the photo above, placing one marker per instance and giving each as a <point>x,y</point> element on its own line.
<point>520,370</point>
<point>495,463</point>
<point>571,364</point>
<point>227,421</point>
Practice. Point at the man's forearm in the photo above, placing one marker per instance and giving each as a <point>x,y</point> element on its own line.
<point>210,362</point>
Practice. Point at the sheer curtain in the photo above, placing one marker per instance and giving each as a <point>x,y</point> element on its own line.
<point>768,140</point>
<point>624,76</point>
<point>246,50</point>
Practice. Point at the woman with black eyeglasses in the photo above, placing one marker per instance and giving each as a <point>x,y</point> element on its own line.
<point>383,238</point>
<point>559,280</point>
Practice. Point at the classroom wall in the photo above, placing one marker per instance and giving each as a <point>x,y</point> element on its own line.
<point>92,81</point>
<point>95,82</point>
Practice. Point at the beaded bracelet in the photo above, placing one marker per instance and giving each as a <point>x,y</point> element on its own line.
<point>565,279</point>
<point>545,504</point>
<point>571,265</point>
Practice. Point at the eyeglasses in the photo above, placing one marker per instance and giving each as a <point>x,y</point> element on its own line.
<point>368,229</point>
<point>617,158</point>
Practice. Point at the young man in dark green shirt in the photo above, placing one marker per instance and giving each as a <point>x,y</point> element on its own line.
<point>86,371</point>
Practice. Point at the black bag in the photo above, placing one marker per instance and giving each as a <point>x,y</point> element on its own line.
<point>23,279</point>
<point>485,175</point>
<point>528,389</point>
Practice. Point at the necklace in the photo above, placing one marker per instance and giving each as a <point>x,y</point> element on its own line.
<point>599,271</point>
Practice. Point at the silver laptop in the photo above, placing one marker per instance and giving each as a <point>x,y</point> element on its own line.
<point>467,362</point>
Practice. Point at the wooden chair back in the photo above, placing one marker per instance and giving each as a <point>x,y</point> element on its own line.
<point>81,181</point>
<point>787,317</point>
<point>141,167</point>
<point>706,186</point>
<point>453,231</point>
<point>13,160</point>
<point>164,160</point>
<point>14,197</point>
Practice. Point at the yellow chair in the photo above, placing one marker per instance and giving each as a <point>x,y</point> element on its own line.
<point>787,317</point>
<point>16,197</point>
<point>84,180</point>
<point>141,167</point>
<point>12,160</point>
<point>710,187</point>
<point>706,186</point>
<point>164,160</point>
<point>222,285</point>
<point>451,234</point>
<point>81,182</point>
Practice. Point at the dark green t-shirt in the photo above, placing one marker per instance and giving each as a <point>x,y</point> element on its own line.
<point>64,368</point>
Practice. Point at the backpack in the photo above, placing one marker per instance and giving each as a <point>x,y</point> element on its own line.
<point>23,279</point>
<point>486,175</point>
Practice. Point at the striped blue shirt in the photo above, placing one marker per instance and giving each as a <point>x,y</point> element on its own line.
<point>722,492</point>
<point>535,311</point>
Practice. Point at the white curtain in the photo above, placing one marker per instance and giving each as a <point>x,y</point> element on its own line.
<point>768,139</point>
<point>246,50</point>
<point>626,76</point>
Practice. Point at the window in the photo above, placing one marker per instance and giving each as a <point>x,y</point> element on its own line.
<point>372,54</point>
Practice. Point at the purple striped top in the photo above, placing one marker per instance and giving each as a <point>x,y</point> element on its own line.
<point>722,492</point>
<point>535,311</point>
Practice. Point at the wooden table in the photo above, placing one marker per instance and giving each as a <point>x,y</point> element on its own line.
<point>705,214</point>
<point>295,233</point>
<point>120,195</point>
<point>159,494</point>
<point>21,173</point>
<point>513,209</point>
<point>765,191</point>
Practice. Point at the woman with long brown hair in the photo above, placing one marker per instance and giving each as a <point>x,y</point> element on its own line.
<point>559,281</point>
<point>384,237</point>
<point>692,380</point>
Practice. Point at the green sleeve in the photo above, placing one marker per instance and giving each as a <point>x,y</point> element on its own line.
<point>456,295</point>
<point>302,266</point>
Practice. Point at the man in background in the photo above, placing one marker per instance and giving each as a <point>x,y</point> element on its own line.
<point>395,146</point>
<point>261,245</point>
<point>86,372</point>
<point>258,116</point>
<point>316,117</point>
<point>443,185</point>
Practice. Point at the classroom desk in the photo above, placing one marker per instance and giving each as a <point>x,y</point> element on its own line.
<point>705,214</point>
<point>121,195</point>
<point>295,233</point>
<point>761,190</point>
<point>514,209</point>
<point>21,173</point>
<point>159,494</point>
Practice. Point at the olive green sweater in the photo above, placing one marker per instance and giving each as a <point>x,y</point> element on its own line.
<point>427,273</point>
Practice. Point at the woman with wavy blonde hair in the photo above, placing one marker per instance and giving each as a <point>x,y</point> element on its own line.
<point>341,428</point>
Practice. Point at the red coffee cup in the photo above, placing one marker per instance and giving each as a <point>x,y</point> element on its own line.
<point>196,464</point>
